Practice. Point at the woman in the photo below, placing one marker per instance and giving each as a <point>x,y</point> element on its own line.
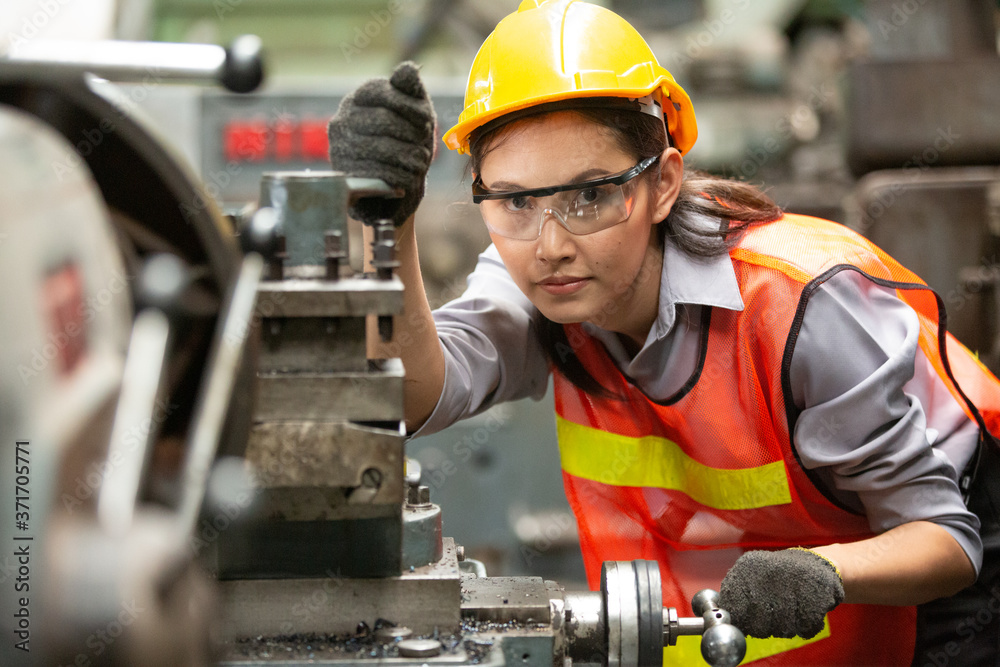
<point>742,395</point>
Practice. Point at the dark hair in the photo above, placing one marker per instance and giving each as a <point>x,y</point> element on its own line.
<point>735,204</point>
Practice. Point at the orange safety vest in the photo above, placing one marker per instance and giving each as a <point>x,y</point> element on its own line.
<point>696,480</point>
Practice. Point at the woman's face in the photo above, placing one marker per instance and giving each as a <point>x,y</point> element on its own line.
<point>610,278</point>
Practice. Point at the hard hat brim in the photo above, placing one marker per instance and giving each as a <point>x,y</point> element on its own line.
<point>683,132</point>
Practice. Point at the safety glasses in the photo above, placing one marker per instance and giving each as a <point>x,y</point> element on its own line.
<point>582,208</point>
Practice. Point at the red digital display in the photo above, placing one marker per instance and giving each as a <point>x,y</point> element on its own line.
<point>315,142</point>
<point>283,140</point>
<point>245,140</point>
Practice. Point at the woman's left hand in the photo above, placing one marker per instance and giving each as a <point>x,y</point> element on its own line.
<point>781,593</point>
<point>787,593</point>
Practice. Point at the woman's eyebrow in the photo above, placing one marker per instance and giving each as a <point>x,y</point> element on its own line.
<point>504,186</point>
<point>508,186</point>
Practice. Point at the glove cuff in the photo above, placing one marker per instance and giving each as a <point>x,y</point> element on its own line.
<point>828,561</point>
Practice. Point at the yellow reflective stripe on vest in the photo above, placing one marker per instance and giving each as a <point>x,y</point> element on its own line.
<point>651,461</point>
<point>687,652</point>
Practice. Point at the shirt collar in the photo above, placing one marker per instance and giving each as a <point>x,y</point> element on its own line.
<point>687,279</point>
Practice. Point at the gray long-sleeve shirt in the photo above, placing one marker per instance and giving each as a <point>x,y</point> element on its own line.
<point>857,370</point>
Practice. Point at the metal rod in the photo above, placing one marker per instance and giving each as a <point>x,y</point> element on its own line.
<point>238,67</point>
<point>220,380</point>
<point>690,626</point>
<point>135,423</point>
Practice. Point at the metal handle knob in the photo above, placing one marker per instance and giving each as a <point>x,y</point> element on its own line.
<point>722,644</point>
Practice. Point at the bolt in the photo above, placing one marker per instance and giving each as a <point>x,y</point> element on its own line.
<point>385,324</point>
<point>332,268</point>
<point>333,243</point>
<point>334,253</point>
<point>384,249</point>
<point>418,496</point>
<point>371,478</point>
<point>413,472</point>
<point>276,262</point>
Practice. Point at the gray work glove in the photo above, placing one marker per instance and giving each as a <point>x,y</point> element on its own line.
<point>781,593</point>
<point>385,129</point>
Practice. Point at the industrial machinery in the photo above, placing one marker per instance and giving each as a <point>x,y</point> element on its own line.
<point>346,562</point>
<point>122,320</point>
<point>214,469</point>
<point>119,368</point>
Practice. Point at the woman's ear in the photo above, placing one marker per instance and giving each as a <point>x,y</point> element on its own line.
<point>668,185</point>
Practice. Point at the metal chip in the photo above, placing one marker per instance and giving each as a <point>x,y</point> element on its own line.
<point>419,648</point>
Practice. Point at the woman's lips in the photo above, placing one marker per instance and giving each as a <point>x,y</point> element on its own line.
<point>562,285</point>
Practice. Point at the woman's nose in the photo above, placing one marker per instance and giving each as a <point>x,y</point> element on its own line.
<point>555,243</point>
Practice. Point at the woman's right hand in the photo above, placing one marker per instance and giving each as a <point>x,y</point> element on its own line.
<point>386,129</point>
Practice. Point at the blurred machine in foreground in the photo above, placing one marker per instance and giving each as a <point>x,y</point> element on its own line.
<point>120,320</point>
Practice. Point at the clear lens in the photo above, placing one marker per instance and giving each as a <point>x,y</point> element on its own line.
<point>581,212</point>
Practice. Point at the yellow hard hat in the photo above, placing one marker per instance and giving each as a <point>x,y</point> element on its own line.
<point>552,50</point>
